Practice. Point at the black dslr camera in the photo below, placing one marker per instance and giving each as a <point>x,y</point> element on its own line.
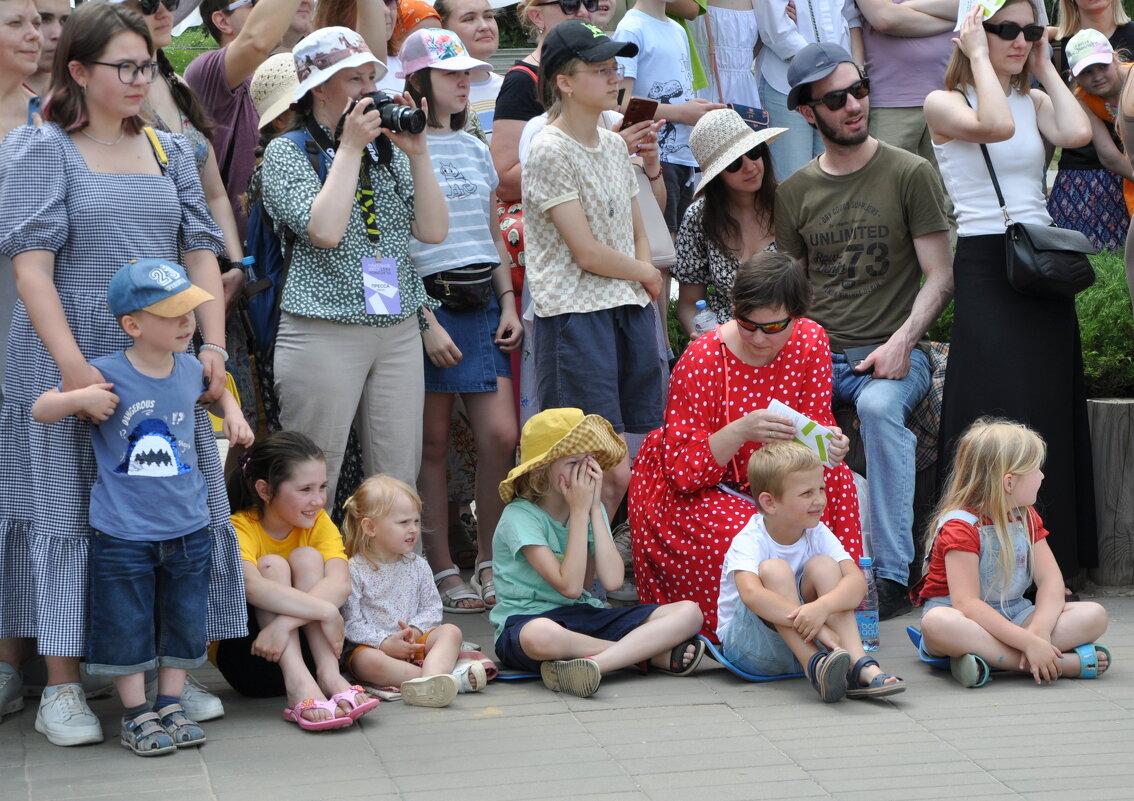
<point>396,117</point>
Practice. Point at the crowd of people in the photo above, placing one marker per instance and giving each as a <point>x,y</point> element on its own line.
<point>459,263</point>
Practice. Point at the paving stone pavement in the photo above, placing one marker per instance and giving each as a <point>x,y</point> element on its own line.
<point>651,738</point>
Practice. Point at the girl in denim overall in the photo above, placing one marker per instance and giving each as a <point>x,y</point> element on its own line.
<point>986,545</point>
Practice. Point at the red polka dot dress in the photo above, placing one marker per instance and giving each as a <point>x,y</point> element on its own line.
<point>682,521</point>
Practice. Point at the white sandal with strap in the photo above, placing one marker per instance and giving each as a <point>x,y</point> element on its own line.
<point>461,592</point>
<point>486,589</point>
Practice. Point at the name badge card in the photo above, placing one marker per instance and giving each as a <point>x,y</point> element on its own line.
<point>380,286</point>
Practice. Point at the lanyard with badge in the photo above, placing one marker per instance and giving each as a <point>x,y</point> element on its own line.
<point>379,274</point>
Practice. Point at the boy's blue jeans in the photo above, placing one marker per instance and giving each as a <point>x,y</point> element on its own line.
<point>147,603</point>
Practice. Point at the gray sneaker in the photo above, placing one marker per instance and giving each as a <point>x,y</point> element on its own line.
<point>65,718</point>
<point>198,703</point>
<point>11,690</point>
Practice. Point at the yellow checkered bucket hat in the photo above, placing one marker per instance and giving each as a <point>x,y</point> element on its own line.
<point>554,433</point>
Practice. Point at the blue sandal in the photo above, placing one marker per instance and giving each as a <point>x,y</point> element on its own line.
<point>145,736</point>
<point>1089,660</point>
<point>183,731</point>
<point>877,688</point>
<point>827,673</point>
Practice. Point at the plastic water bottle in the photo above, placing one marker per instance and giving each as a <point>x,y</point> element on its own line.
<point>867,612</point>
<point>704,320</point>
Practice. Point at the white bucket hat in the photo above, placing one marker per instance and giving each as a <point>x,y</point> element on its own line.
<point>322,53</point>
<point>719,138</point>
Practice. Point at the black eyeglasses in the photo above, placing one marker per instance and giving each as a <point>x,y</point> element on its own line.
<point>837,99</point>
<point>773,327</point>
<point>150,7</point>
<point>755,154</point>
<point>571,7</point>
<point>1008,31</point>
<point>128,71</point>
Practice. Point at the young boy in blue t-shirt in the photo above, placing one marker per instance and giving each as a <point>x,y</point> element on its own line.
<point>151,552</point>
<point>789,590</point>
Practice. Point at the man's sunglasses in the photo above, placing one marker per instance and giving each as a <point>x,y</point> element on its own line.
<point>837,99</point>
<point>571,7</point>
<point>774,327</point>
<point>1008,31</point>
<point>755,154</point>
<point>150,7</point>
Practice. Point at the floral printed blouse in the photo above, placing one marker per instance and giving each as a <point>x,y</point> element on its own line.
<point>326,283</point>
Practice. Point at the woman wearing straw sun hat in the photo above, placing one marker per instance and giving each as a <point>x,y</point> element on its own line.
<point>731,219</point>
<point>348,348</point>
<point>553,540</point>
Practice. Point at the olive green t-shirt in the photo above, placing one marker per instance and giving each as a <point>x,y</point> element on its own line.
<point>856,232</point>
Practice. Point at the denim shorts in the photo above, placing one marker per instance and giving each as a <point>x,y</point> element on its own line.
<point>481,361</point>
<point>604,362</point>
<point>754,645</point>
<point>147,603</point>
<point>594,621</point>
<point>1017,610</point>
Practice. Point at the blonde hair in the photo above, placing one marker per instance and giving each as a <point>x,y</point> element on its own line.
<point>528,27</point>
<point>1071,21</point>
<point>959,72</point>
<point>990,449</point>
<point>772,463</point>
<point>373,499</point>
<point>534,485</point>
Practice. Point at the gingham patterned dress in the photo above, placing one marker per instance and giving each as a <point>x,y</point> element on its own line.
<point>93,223</point>
<point>682,522</point>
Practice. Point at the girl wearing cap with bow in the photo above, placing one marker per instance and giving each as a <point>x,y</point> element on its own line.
<point>348,348</point>
<point>475,327</point>
<point>552,542</point>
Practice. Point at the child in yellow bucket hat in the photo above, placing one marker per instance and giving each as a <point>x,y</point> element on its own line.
<point>552,541</point>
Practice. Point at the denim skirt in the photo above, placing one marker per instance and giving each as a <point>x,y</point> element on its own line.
<point>482,362</point>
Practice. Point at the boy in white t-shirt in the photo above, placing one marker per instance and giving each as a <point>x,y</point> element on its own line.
<point>789,590</point>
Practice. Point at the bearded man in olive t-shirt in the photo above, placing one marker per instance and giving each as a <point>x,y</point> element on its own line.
<point>867,221</point>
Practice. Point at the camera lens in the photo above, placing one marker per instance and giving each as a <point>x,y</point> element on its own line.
<point>396,117</point>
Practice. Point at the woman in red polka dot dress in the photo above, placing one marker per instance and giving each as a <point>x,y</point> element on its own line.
<point>688,493</point>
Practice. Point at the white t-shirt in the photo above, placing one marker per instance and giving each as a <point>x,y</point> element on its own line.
<point>468,181</point>
<point>661,71</point>
<point>753,545</point>
<point>482,100</point>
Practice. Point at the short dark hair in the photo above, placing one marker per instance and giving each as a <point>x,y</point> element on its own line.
<point>771,279</point>
<point>207,9</point>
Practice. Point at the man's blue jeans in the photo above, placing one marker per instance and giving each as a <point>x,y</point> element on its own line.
<point>883,406</point>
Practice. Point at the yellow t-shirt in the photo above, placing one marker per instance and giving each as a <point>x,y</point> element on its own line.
<point>324,537</point>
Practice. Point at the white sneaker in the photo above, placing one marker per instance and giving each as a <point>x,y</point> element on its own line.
<point>65,718</point>
<point>11,690</point>
<point>199,704</point>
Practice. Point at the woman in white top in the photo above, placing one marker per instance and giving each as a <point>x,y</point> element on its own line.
<point>474,22</point>
<point>1012,355</point>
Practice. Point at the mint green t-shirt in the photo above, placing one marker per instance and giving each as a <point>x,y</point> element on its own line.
<point>520,589</point>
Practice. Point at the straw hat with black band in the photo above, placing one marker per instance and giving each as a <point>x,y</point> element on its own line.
<point>719,138</point>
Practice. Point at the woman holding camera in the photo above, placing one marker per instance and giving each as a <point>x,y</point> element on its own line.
<point>345,353</point>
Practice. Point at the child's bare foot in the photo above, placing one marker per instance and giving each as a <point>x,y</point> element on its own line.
<point>304,691</point>
<point>338,688</point>
<point>866,680</point>
<point>682,659</point>
<point>1093,660</point>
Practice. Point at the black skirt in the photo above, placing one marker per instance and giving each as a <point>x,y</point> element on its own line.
<point>1019,357</point>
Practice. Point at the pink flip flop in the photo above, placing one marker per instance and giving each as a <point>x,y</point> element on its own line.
<point>347,696</point>
<point>295,715</point>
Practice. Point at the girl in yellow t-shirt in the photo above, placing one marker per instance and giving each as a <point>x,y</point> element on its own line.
<point>295,580</point>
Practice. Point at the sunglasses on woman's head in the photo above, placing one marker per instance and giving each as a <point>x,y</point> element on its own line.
<point>150,7</point>
<point>774,327</point>
<point>837,99</point>
<point>755,154</point>
<point>1008,31</point>
<point>571,7</point>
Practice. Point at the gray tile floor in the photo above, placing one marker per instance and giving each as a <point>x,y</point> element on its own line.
<point>654,737</point>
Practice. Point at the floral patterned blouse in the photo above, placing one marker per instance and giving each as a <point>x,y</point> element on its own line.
<point>701,261</point>
<point>326,283</point>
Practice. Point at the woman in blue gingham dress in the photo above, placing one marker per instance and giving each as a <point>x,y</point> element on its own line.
<point>93,223</point>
